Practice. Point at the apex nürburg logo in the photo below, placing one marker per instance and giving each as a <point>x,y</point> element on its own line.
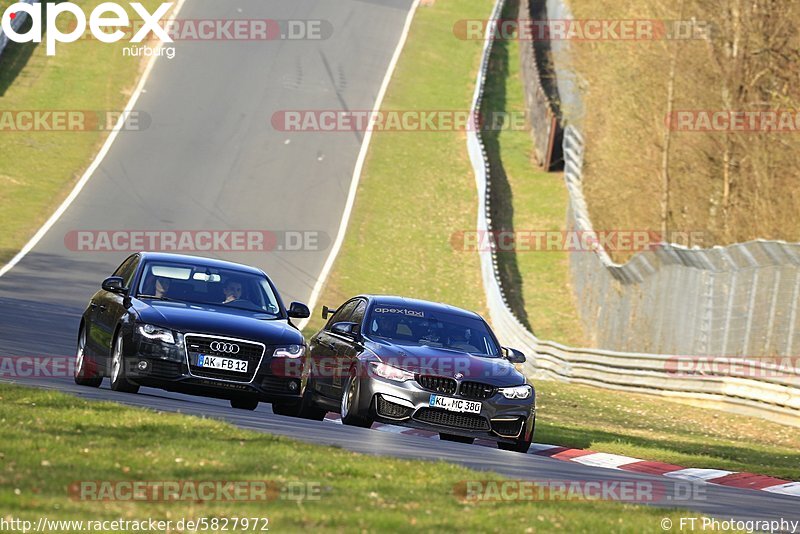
<point>103,18</point>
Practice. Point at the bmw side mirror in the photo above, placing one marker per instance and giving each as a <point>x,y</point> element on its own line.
<point>513,355</point>
<point>298,310</point>
<point>114,284</point>
<point>349,330</point>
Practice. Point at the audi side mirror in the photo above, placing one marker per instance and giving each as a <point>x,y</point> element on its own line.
<point>299,310</point>
<point>326,311</point>
<point>348,330</point>
<point>513,355</point>
<point>114,284</point>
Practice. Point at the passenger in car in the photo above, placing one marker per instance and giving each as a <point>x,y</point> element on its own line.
<point>232,290</point>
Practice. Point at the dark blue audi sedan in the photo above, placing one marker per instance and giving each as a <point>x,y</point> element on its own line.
<point>193,325</point>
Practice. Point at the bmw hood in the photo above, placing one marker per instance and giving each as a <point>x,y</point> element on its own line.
<point>218,320</point>
<point>449,363</point>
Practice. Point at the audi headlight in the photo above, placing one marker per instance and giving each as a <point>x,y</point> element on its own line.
<point>290,351</point>
<point>391,373</point>
<point>517,392</point>
<point>157,333</point>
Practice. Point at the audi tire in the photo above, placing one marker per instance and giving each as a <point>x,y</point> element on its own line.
<point>308,408</point>
<point>289,409</point>
<point>119,382</point>
<point>85,366</point>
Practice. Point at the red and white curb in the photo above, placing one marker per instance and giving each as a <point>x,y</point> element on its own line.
<point>624,463</point>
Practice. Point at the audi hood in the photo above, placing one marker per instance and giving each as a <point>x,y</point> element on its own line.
<point>219,320</point>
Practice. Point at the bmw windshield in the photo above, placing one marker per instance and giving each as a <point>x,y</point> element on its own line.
<point>199,284</point>
<point>407,326</point>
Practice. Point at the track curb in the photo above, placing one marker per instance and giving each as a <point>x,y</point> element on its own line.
<point>720,477</point>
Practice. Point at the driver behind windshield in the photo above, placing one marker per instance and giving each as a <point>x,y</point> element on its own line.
<point>157,287</point>
<point>232,291</point>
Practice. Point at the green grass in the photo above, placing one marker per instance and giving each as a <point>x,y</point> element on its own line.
<point>418,188</point>
<point>52,440</point>
<point>38,169</point>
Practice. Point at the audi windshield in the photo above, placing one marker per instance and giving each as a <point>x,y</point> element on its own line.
<point>200,284</point>
<point>406,326</point>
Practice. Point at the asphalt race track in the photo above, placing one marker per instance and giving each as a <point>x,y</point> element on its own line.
<point>211,160</point>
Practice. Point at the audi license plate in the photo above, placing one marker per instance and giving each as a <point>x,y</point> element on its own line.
<point>455,405</point>
<point>218,362</point>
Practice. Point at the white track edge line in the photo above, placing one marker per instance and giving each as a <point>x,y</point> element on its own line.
<point>362,156</point>
<point>95,163</point>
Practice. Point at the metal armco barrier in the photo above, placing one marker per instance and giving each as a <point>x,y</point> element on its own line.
<point>696,279</point>
<point>541,107</point>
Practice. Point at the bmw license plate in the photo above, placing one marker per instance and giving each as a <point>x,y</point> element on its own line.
<point>455,405</point>
<point>218,362</point>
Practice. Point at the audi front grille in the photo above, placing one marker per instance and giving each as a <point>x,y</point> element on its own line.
<point>249,351</point>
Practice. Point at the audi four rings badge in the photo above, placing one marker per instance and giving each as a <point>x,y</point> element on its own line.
<point>227,348</point>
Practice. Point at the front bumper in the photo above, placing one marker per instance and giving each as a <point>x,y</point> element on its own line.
<point>408,404</point>
<point>165,366</point>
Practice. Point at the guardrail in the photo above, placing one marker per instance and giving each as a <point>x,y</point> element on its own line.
<point>773,393</point>
<point>541,98</point>
<point>16,24</point>
<point>739,300</point>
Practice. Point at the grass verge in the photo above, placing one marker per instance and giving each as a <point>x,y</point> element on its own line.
<point>52,441</point>
<point>417,188</point>
<point>39,168</point>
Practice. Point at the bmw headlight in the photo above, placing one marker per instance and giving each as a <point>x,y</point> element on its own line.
<point>290,351</point>
<point>517,392</point>
<point>391,373</point>
<point>157,333</point>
